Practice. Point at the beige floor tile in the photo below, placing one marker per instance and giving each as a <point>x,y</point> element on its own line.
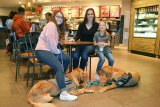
<point>153,101</point>
<point>145,94</point>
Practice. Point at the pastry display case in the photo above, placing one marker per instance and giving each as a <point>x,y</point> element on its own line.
<point>144,33</point>
<point>146,20</point>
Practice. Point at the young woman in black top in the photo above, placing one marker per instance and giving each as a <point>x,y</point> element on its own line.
<point>85,33</point>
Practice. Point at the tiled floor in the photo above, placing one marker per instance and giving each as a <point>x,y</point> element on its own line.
<point>146,94</point>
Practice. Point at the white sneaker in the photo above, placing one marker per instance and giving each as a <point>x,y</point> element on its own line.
<point>67,97</point>
<point>96,77</point>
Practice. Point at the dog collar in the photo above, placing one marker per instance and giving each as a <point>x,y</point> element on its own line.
<point>123,80</point>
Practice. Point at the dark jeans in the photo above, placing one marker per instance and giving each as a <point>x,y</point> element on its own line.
<point>22,45</point>
<point>83,52</point>
<point>54,61</point>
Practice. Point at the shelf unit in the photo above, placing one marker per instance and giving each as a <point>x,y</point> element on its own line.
<point>146,20</point>
<point>144,24</point>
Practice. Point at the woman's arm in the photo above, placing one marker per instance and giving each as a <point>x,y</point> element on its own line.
<point>77,37</point>
<point>52,37</point>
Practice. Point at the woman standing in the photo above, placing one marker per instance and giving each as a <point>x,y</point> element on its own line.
<point>85,32</point>
<point>48,53</point>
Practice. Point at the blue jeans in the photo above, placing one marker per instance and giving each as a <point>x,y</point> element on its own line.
<point>83,52</point>
<point>22,45</point>
<point>102,56</point>
<point>54,61</point>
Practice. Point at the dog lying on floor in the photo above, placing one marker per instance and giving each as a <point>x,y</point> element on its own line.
<point>78,77</point>
<point>118,78</point>
<point>43,91</point>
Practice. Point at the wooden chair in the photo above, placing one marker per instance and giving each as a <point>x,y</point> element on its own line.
<point>90,64</point>
<point>31,40</point>
<point>19,55</point>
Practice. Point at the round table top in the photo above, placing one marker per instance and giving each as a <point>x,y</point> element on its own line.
<point>65,42</point>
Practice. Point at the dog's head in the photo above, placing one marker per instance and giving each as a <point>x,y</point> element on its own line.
<point>77,76</point>
<point>106,70</point>
<point>80,75</point>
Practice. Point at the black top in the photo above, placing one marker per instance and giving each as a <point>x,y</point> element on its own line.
<point>85,34</point>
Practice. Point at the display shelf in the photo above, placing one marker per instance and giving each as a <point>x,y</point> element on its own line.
<point>144,28</point>
<point>145,23</point>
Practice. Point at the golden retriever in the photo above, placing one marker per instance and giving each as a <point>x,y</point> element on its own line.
<point>43,92</point>
<point>118,77</point>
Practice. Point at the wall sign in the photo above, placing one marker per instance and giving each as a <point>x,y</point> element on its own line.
<point>104,11</point>
<point>115,11</point>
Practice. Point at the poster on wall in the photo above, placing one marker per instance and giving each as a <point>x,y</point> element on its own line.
<point>54,9</point>
<point>104,11</point>
<point>74,11</point>
<point>84,8</point>
<point>65,11</point>
<point>96,9</point>
<point>114,11</point>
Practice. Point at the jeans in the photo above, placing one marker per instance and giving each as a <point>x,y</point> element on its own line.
<point>83,52</point>
<point>102,56</point>
<point>22,45</point>
<point>54,61</point>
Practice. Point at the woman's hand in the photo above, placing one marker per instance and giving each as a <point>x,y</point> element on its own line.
<point>71,40</point>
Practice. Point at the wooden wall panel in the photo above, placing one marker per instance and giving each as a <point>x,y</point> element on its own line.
<point>143,45</point>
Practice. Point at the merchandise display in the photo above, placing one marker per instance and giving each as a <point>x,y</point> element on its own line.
<point>146,20</point>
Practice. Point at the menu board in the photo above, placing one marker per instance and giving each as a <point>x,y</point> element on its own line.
<point>114,11</point>
<point>104,11</point>
<point>74,11</point>
<point>65,11</point>
<point>54,9</point>
<point>96,10</point>
<point>84,8</point>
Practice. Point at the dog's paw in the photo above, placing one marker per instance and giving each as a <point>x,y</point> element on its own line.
<point>102,90</point>
<point>89,91</point>
<point>73,92</point>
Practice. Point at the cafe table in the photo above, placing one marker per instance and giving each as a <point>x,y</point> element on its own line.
<point>72,44</point>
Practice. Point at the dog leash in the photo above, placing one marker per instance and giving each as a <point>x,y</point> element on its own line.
<point>61,55</point>
<point>95,82</point>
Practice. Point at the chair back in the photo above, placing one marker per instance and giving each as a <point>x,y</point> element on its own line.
<point>29,47</point>
<point>34,38</point>
<point>31,42</point>
<point>16,44</point>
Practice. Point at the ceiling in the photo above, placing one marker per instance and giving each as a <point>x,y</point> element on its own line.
<point>10,3</point>
<point>15,3</point>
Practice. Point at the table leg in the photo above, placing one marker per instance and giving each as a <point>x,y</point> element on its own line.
<point>70,53</point>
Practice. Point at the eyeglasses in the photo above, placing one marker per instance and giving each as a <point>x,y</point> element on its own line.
<point>61,17</point>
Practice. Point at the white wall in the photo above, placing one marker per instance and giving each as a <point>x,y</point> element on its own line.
<point>6,11</point>
<point>126,12</point>
<point>85,3</point>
